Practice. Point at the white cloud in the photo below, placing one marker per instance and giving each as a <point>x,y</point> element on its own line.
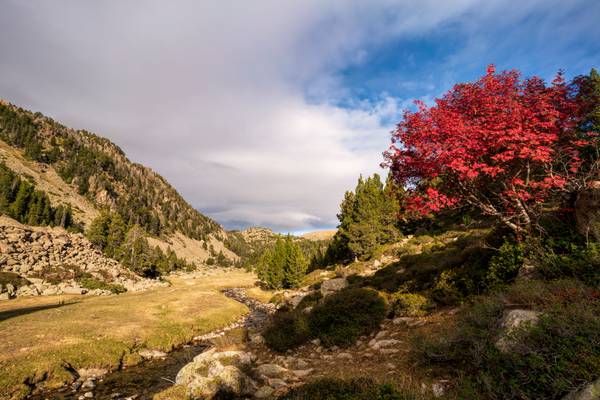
<point>233,102</point>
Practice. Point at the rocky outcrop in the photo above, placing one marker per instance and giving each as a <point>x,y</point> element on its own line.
<point>52,261</point>
<point>333,285</point>
<point>215,372</point>
<point>511,321</point>
<point>590,392</point>
<point>587,211</point>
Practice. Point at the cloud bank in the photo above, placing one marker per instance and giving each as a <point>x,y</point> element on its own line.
<point>242,106</point>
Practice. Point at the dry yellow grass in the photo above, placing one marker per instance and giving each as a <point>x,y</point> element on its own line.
<point>259,294</point>
<point>39,336</point>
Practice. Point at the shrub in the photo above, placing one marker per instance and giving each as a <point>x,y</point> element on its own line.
<point>334,389</point>
<point>559,354</point>
<point>92,284</point>
<point>504,266</point>
<point>287,331</point>
<point>344,316</point>
<point>409,304</point>
<point>582,262</point>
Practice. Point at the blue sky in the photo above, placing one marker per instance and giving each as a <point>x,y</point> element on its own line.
<point>264,113</point>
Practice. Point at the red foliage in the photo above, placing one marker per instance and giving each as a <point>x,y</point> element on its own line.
<point>501,144</point>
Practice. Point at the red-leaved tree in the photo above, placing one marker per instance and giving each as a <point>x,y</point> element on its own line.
<point>501,144</point>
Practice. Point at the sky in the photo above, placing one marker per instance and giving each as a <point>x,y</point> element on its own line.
<point>264,112</point>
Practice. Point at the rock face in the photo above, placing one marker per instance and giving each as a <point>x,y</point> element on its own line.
<point>333,285</point>
<point>587,212</point>
<point>52,261</point>
<point>590,392</point>
<point>510,322</point>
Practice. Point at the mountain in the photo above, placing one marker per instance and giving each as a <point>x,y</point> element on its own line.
<point>89,174</point>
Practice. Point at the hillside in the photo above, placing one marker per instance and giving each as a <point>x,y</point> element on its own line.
<point>89,173</point>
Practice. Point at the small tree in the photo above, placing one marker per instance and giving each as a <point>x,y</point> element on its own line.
<point>368,218</point>
<point>501,144</point>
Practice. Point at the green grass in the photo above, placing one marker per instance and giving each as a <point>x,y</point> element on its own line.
<point>40,335</point>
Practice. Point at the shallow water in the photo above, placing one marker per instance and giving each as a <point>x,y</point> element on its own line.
<point>142,381</point>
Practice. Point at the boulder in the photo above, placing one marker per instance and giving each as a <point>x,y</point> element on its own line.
<point>152,354</point>
<point>213,371</point>
<point>333,285</point>
<point>590,392</point>
<point>587,211</point>
<point>265,392</point>
<point>271,370</point>
<point>512,320</point>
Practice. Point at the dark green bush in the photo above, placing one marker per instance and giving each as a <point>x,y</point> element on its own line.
<point>559,354</point>
<point>92,284</point>
<point>336,389</point>
<point>287,331</point>
<point>504,266</point>
<point>344,316</point>
<point>409,304</point>
<point>581,262</point>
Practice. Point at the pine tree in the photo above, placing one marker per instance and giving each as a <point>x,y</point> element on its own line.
<point>98,230</point>
<point>368,218</point>
<point>115,234</point>
<point>295,264</point>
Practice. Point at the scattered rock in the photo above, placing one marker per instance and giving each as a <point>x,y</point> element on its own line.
<point>510,322</point>
<point>265,392</point>
<point>333,285</point>
<point>152,354</point>
<point>271,370</point>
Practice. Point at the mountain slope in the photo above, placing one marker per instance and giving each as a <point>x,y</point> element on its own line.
<point>90,173</point>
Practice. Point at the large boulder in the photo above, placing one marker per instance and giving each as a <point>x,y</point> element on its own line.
<point>333,285</point>
<point>512,320</point>
<point>587,211</point>
<point>212,372</point>
<point>590,392</point>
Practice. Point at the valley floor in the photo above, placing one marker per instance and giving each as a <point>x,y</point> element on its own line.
<point>42,338</point>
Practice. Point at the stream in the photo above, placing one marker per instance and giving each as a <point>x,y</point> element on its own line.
<point>144,380</point>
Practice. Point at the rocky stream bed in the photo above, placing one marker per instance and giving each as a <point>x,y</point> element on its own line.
<point>143,381</point>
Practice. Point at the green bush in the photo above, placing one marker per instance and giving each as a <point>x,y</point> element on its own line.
<point>409,304</point>
<point>287,331</point>
<point>504,266</point>
<point>581,262</point>
<point>92,284</point>
<point>336,389</point>
<point>344,316</point>
<point>559,354</point>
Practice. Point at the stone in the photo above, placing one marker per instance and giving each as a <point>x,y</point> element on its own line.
<point>152,354</point>
<point>4,296</point>
<point>257,339</point>
<point>378,344</point>
<point>333,285</point>
<point>264,392</point>
<point>344,356</point>
<point>512,320</point>
<point>277,383</point>
<point>302,373</point>
<point>271,370</point>
<point>88,395</point>
<point>590,392</point>
<point>88,384</point>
